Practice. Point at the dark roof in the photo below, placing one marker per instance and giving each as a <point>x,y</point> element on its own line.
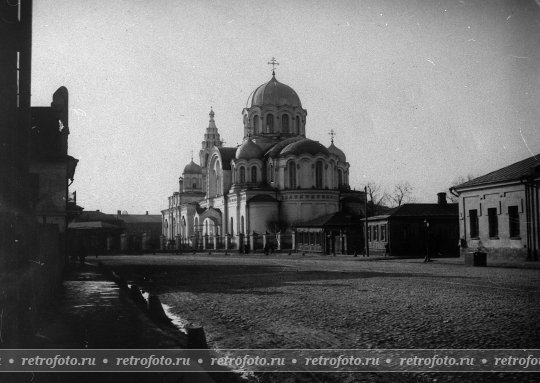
<point>262,198</point>
<point>96,215</point>
<point>276,149</point>
<point>424,210</point>
<point>93,225</point>
<point>305,146</point>
<point>140,218</point>
<point>334,219</point>
<point>227,154</point>
<point>509,173</point>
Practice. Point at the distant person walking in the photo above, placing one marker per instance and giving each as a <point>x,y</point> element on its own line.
<point>386,249</point>
<point>82,253</point>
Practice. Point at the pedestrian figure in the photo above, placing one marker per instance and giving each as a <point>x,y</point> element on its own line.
<point>266,249</point>
<point>386,249</point>
<point>82,253</point>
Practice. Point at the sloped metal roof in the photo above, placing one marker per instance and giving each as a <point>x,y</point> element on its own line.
<point>526,167</point>
<point>335,219</point>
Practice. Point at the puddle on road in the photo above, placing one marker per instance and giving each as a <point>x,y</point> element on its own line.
<point>93,293</point>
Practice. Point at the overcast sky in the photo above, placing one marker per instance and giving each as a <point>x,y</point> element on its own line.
<point>423,91</point>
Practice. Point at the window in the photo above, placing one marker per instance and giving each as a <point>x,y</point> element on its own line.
<point>513,221</point>
<point>340,177</point>
<point>270,123</point>
<point>319,175</point>
<point>285,123</point>
<point>383,233</point>
<point>375,233</point>
<point>242,224</point>
<point>242,175</point>
<point>256,128</point>
<point>473,222</point>
<point>369,233</point>
<point>297,125</point>
<point>253,174</point>
<point>493,222</point>
<point>271,173</point>
<point>292,175</point>
<point>231,229</point>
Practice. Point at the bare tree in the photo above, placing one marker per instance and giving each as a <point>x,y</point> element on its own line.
<point>458,181</point>
<point>377,197</point>
<point>402,193</point>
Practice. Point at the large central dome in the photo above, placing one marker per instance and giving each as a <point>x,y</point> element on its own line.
<point>273,93</point>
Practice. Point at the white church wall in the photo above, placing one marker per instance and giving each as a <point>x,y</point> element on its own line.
<point>261,214</point>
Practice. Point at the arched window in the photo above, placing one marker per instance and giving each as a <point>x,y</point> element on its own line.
<point>270,123</point>
<point>271,173</point>
<point>242,175</point>
<point>285,123</point>
<point>292,175</point>
<point>297,125</point>
<point>253,174</point>
<point>319,175</point>
<point>340,177</point>
<point>256,128</point>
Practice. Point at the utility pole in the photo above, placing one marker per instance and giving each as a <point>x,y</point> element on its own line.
<point>366,223</point>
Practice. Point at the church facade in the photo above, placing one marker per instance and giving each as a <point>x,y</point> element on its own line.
<point>276,180</point>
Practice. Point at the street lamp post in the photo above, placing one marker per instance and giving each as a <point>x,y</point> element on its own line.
<point>426,223</point>
<point>366,222</point>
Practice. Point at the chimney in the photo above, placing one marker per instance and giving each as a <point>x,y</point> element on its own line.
<point>147,212</point>
<point>119,212</point>
<point>441,198</point>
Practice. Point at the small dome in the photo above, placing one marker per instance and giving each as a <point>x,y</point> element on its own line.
<point>192,168</point>
<point>249,150</point>
<point>274,93</point>
<point>305,146</point>
<point>338,152</point>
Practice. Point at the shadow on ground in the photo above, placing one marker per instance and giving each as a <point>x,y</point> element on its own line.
<point>235,278</point>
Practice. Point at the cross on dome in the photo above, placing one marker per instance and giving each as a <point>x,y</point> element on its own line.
<point>332,135</point>
<point>273,62</point>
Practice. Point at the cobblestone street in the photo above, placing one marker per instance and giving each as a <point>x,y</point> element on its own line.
<point>326,302</point>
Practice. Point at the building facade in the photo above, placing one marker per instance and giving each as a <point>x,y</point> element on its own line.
<point>276,179</point>
<point>499,212</point>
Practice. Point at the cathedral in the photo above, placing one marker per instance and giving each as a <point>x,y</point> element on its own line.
<point>278,185</point>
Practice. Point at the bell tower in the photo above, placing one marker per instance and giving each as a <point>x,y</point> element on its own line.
<point>211,139</point>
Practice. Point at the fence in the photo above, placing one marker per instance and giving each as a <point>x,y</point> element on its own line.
<point>242,242</point>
